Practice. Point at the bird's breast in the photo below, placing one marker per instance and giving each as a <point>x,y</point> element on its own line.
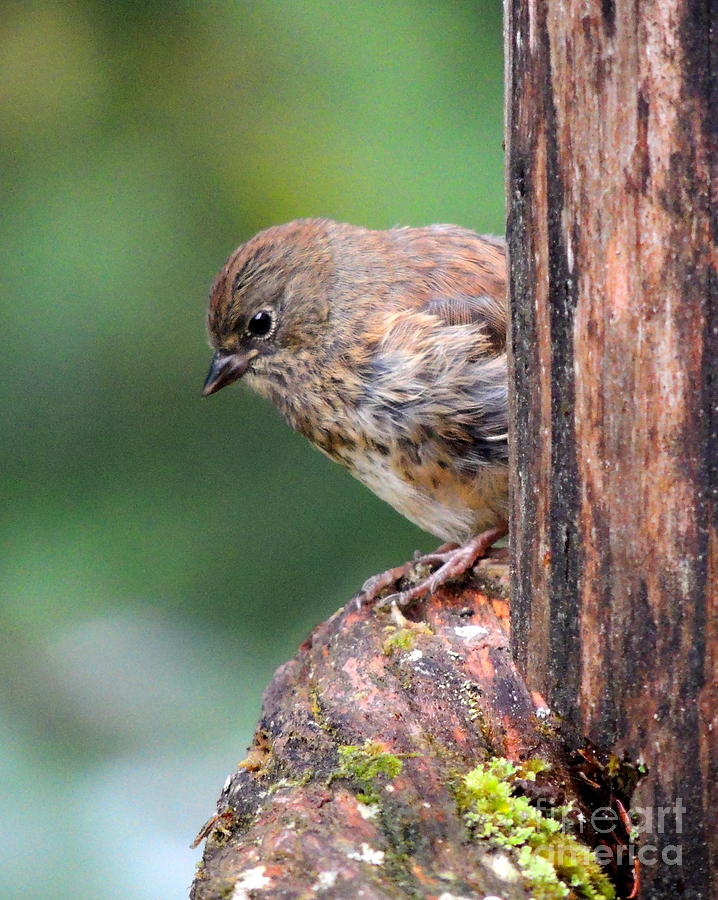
<point>439,499</point>
<point>448,495</point>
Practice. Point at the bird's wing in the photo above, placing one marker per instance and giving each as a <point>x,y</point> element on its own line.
<point>447,379</point>
<point>482,309</point>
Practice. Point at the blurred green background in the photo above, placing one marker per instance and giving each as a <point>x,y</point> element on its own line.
<point>162,554</point>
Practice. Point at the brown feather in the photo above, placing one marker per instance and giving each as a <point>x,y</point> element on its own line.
<point>388,354</point>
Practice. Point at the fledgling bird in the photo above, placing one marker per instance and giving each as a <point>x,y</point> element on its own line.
<point>387,350</point>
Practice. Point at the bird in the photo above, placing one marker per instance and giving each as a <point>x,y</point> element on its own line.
<point>387,349</point>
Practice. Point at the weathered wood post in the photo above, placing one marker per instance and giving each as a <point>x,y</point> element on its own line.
<point>612,124</point>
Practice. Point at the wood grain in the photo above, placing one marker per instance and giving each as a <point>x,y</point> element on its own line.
<point>611,180</point>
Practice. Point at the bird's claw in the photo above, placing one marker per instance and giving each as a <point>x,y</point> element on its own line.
<point>452,561</point>
<point>405,598</point>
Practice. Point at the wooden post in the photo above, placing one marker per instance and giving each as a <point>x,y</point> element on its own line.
<point>611,123</point>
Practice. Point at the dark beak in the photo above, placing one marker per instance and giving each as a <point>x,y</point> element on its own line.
<point>226,367</point>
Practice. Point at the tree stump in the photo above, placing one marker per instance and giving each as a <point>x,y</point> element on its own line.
<point>356,783</point>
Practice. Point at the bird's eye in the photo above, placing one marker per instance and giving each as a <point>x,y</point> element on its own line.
<point>261,324</point>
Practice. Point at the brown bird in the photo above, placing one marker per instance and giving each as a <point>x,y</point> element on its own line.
<point>387,350</point>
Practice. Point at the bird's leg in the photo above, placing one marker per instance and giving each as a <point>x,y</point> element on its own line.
<point>437,555</point>
<point>453,563</point>
<point>373,586</point>
<point>453,560</point>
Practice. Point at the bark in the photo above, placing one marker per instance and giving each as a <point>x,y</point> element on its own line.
<point>614,435</point>
<point>435,696</point>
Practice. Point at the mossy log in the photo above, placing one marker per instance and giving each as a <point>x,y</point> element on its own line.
<point>355,785</point>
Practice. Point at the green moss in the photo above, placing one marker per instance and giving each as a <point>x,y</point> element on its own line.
<point>545,727</point>
<point>366,763</point>
<point>290,782</point>
<point>532,767</point>
<point>471,695</point>
<point>554,863</point>
<point>318,714</point>
<point>625,773</point>
<point>403,635</point>
<point>400,641</point>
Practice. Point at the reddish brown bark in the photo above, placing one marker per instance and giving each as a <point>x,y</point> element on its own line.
<point>612,144</point>
<point>440,693</point>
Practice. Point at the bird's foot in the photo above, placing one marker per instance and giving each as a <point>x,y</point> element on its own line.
<point>452,561</point>
<point>372,587</point>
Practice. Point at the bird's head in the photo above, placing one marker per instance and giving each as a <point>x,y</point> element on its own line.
<point>270,302</point>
